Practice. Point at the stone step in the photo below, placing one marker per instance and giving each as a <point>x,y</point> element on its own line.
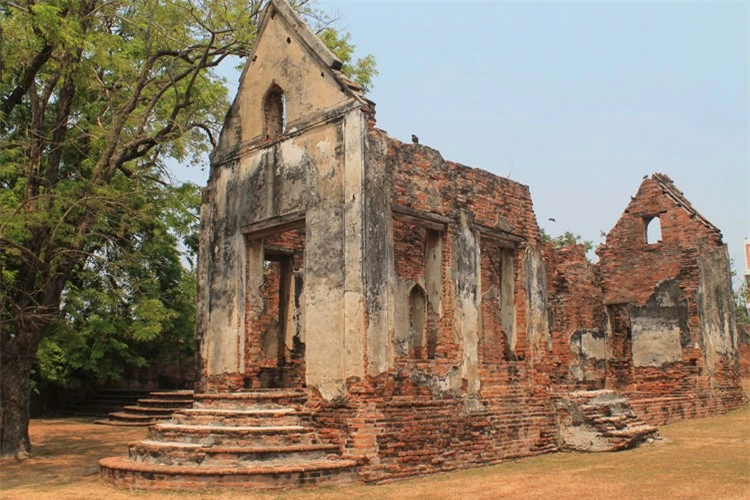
<point>138,475</point>
<point>196,454</point>
<point>124,423</point>
<point>131,417</point>
<point>232,435</point>
<point>257,398</point>
<point>180,394</point>
<point>243,418</point>
<point>634,430</point>
<point>164,403</point>
<point>158,405</point>
<point>600,421</point>
<point>150,410</point>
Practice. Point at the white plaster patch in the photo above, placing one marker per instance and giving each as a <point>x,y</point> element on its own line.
<point>324,147</point>
<point>593,347</point>
<point>656,342</point>
<point>291,153</point>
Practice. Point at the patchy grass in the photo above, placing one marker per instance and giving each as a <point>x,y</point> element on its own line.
<point>705,458</point>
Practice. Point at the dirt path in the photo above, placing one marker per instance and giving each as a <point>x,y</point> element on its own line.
<point>706,458</point>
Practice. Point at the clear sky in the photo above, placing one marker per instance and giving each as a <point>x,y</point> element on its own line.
<point>577,100</point>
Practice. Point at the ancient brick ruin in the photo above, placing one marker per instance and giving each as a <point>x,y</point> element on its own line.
<point>368,310</point>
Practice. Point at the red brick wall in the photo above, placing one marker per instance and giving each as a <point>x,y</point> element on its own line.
<point>397,436</point>
<point>631,271</point>
<point>423,180</point>
<point>397,424</point>
<point>409,250</point>
<point>744,359</point>
<point>575,296</point>
<point>631,268</point>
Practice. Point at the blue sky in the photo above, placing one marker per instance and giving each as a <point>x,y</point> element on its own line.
<point>577,100</point>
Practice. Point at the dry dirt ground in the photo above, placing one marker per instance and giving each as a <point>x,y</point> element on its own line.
<point>705,458</point>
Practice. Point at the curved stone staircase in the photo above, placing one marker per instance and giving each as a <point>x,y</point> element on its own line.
<point>260,439</point>
<point>158,405</point>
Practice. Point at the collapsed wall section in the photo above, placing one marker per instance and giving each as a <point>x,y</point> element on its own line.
<point>578,320</point>
<point>671,336</point>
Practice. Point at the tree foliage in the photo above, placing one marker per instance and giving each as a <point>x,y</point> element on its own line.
<point>741,300</point>
<point>363,70</point>
<point>565,239</point>
<point>95,96</point>
<point>133,305</point>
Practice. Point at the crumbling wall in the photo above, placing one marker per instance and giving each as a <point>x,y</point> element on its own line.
<point>455,402</point>
<point>670,340</point>
<point>716,308</point>
<point>578,319</point>
<point>413,296</point>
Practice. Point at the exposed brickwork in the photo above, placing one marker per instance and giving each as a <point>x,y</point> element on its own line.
<point>268,360</point>
<point>421,179</point>
<point>414,301</point>
<point>412,433</point>
<point>574,287</point>
<point>631,267</point>
<point>634,276</point>
<point>494,341</point>
<point>421,418</point>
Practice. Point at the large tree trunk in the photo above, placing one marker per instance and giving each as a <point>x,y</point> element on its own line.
<point>15,393</point>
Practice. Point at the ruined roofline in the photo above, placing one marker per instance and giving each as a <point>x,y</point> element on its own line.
<point>450,163</point>
<point>670,189</point>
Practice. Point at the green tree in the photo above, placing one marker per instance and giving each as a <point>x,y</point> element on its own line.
<point>131,306</point>
<point>741,298</point>
<point>94,96</point>
<point>565,239</point>
<point>363,70</point>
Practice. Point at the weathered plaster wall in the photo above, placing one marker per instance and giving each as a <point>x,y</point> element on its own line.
<point>715,307</point>
<point>378,263</point>
<point>313,172</point>
<point>318,176</point>
<point>659,328</point>
<point>416,298</point>
<point>280,57</point>
<point>473,212</point>
<point>537,323</point>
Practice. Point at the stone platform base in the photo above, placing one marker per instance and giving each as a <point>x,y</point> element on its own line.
<point>255,439</point>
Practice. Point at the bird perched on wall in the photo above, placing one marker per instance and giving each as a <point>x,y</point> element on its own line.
<point>414,139</point>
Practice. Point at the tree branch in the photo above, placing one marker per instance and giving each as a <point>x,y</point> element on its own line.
<point>27,78</point>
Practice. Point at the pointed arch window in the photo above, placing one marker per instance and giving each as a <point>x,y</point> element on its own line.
<point>274,112</point>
